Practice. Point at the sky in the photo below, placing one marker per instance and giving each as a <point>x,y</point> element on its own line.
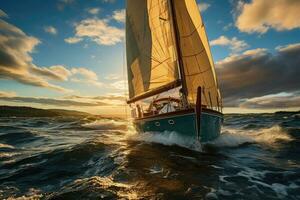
<point>70,54</point>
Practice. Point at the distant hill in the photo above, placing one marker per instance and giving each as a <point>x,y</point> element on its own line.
<point>16,111</point>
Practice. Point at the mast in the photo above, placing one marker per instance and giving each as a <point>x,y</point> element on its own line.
<point>179,54</point>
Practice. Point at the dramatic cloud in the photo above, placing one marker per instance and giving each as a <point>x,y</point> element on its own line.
<point>50,30</point>
<point>203,6</point>
<point>93,11</point>
<point>119,15</point>
<point>278,101</point>
<point>257,73</point>
<point>15,59</point>
<point>234,44</point>
<point>261,15</point>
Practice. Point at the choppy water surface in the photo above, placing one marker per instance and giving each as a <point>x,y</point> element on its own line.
<point>257,157</point>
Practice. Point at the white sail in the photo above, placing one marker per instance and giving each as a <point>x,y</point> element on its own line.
<point>195,51</point>
<point>151,50</point>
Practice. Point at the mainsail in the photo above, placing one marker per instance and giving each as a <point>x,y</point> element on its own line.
<point>151,56</point>
<point>159,35</point>
<point>195,53</point>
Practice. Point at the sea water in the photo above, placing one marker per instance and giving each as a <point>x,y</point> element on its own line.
<point>256,157</point>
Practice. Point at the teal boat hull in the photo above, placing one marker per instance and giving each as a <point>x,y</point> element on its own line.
<point>184,124</point>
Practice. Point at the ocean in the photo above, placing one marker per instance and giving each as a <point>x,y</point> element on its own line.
<point>256,157</point>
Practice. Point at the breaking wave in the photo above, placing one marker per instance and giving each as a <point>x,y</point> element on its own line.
<point>169,139</point>
<point>235,137</point>
<point>106,124</point>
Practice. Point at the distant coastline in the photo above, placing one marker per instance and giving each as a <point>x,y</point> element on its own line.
<point>23,111</point>
<point>18,111</point>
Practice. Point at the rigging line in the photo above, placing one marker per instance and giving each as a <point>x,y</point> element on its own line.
<point>194,74</point>
<point>195,54</point>
<point>160,29</point>
<point>124,76</point>
<point>160,62</point>
<point>196,28</point>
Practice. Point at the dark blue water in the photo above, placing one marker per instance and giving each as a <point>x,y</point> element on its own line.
<point>257,157</point>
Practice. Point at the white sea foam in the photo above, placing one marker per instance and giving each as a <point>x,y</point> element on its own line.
<point>168,138</point>
<point>106,124</point>
<point>236,137</point>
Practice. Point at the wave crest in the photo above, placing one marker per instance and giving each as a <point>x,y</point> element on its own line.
<point>168,138</point>
<point>237,137</point>
<point>106,124</point>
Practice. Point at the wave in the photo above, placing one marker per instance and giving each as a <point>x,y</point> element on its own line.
<point>106,124</point>
<point>168,138</point>
<point>236,137</point>
<point>95,188</point>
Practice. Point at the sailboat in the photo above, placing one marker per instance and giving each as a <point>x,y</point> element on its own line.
<point>171,76</point>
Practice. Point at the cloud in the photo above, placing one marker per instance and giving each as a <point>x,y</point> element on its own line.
<point>3,14</point>
<point>112,77</point>
<point>119,15</point>
<point>203,6</point>
<point>56,72</point>
<point>257,73</point>
<point>51,101</point>
<point>15,59</point>
<point>83,75</point>
<point>93,11</point>
<point>73,40</point>
<point>119,85</point>
<point>111,100</point>
<point>234,44</point>
<point>261,15</point>
<point>7,94</point>
<point>278,101</point>
<point>99,31</point>
<point>106,97</point>
<point>50,30</point>
<point>67,101</point>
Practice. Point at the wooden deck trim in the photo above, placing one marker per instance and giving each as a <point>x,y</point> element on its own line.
<point>180,112</point>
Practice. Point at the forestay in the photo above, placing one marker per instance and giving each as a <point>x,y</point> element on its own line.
<point>196,56</point>
<point>151,51</point>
